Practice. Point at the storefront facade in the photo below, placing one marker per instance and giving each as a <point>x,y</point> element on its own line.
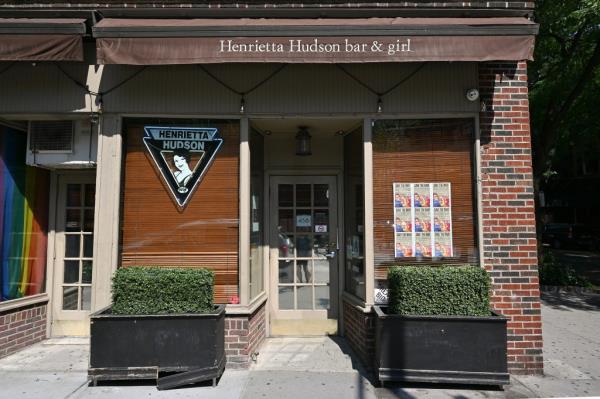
<point>298,159</point>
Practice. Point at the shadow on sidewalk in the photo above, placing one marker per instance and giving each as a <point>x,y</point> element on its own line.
<point>561,300</point>
<point>393,390</point>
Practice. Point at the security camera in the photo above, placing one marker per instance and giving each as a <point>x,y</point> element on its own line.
<point>472,94</point>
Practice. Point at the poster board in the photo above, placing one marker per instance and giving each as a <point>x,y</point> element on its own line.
<point>422,220</point>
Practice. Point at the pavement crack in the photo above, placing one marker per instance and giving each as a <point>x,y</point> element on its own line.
<point>79,388</point>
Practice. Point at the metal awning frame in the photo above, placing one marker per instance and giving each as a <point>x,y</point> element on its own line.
<point>219,29</point>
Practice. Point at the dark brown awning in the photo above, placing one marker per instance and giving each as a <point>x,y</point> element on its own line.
<point>202,41</point>
<point>36,39</point>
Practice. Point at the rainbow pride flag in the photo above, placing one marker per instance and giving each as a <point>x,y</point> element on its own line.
<point>23,219</point>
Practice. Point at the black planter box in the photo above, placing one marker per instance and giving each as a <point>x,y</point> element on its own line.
<point>441,349</point>
<point>191,347</point>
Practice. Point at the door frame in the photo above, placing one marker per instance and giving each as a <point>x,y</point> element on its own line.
<point>58,178</point>
<point>339,177</point>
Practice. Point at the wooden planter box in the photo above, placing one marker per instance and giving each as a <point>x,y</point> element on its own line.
<point>441,349</point>
<point>191,347</point>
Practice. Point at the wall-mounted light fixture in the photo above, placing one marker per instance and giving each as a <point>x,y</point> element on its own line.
<point>303,141</point>
<point>472,94</point>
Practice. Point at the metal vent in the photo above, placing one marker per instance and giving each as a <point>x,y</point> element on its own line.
<point>51,136</point>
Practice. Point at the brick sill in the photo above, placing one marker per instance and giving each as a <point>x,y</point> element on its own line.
<point>356,302</point>
<point>241,310</point>
<point>23,302</point>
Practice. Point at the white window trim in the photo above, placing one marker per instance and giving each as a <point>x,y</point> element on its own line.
<point>23,302</point>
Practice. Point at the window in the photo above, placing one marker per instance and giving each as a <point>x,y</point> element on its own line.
<point>354,214</point>
<point>257,240</point>
<point>421,153</point>
<point>23,219</point>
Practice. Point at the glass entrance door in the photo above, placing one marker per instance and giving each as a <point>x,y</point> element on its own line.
<point>304,255</point>
<point>74,255</point>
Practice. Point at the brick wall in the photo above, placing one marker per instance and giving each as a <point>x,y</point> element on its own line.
<point>21,327</point>
<point>359,331</point>
<point>243,336</point>
<point>509,234</point>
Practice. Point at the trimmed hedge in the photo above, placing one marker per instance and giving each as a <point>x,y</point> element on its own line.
<point>446,290</point>
<point>156,290</point>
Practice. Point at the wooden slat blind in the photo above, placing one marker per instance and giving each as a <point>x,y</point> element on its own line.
<point>205,234</point>
<point>424,151</point>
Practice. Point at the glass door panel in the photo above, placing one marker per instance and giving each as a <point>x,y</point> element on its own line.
<point>73,265</point>
<point>79,243</point>
<point>304,228</point>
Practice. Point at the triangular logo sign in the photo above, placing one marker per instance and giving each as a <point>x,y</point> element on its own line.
<point>182,155</point>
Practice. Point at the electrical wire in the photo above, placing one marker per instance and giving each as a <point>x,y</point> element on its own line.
<point>250,90</point>
<point>100,93</point>
<point>6,68</point>
<point>389,90</point>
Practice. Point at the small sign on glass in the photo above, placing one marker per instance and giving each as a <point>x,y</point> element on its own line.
<point>303,221</point>
<point>320,228</point>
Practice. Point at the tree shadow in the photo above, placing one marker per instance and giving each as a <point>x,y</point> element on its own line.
<point>400,389</point>
<point>357,364</point>
<point>503,73</point>
<point>393,390</point>
<point>562,300</point>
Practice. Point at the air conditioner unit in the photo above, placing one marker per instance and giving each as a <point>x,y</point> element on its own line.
<point>62,144</point>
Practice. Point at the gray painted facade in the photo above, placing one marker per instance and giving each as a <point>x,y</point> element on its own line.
<point>298,89</point>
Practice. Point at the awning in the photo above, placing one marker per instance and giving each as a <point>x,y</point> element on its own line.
<point>204,41</point>
<point>37,39</point>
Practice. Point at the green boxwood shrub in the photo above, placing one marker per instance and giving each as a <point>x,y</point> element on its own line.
<point>446,290</point>
<point>157,290</point>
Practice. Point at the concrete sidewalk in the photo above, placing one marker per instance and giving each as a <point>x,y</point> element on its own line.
<point>323,367</point>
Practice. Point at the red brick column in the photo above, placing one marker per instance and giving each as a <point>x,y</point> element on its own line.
<point>22,327</point>
<point>243,336</point>
<point>509,234</point>
<point>359,330</point>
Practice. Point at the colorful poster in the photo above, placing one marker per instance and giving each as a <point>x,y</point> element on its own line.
<point>403,220</point>
<point>422,195</point>
<point>441,195</point>
<point>404,245</point>
<point>422,245</point>
<point>443,245</point>
<point>441,220</point>
<point>422,220</point>
<point>402,195</point>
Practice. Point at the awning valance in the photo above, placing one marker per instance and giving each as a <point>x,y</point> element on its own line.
<point>202,41</point>
<point>37,39</point>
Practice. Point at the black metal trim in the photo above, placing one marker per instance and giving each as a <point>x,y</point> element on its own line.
<point>381,312</point>
<point>37,28</point>
<point>231,12</point>
<point>308,11</point>
<point>321,30</point>
<point>105,313</point>
<point>312,12</point>
<point>443,376</point>
<point>192,376</point>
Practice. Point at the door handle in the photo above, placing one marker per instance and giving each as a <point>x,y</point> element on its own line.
<point>330,255</point>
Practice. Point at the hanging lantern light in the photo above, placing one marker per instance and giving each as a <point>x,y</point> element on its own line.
<point>303,142</point>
